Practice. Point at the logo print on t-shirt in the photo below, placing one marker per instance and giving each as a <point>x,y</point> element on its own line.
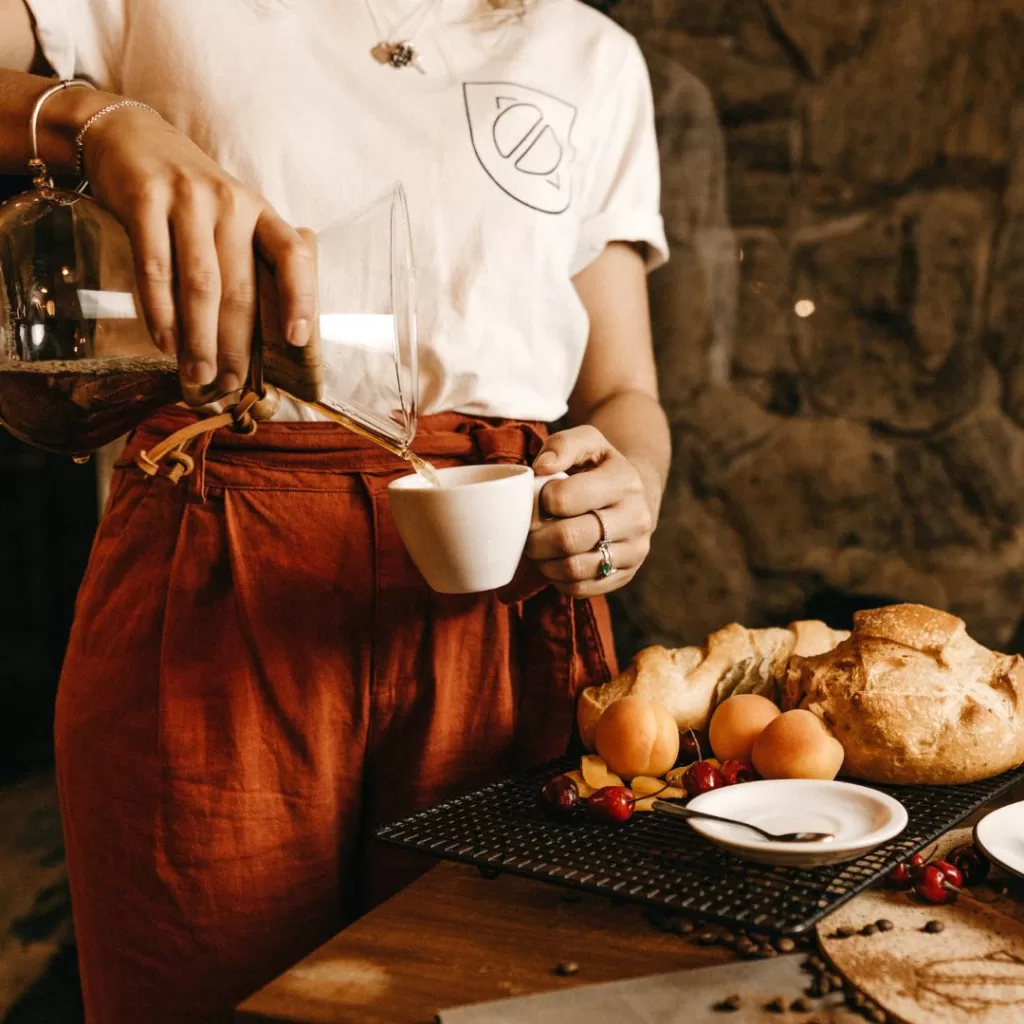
<point>523,140</point>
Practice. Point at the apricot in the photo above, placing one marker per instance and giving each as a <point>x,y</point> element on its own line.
<point>797,745</point>
<point>636,736</point>
<point>737,722</point>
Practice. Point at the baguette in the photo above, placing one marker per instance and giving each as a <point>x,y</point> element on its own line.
<point>691,681</point>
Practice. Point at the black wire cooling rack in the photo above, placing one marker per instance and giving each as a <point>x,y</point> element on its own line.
<point>662,862</point>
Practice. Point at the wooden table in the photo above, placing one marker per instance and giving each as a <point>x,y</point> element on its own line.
<point>454,938</point>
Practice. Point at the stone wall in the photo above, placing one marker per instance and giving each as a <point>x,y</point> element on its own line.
<point>841,329</point>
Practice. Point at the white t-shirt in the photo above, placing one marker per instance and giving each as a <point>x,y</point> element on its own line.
<point>525,148</point>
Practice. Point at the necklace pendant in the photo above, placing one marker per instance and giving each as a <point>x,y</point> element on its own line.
<point>402,55</point>
<point>398,55</point>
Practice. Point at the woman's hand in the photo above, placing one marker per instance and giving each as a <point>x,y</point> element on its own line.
<point>564,548</point>
<point>194,229</point>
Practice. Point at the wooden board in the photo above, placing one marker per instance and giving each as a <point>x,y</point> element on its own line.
<point>971,972</point>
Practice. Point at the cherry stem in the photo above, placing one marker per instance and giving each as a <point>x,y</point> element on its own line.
<point>696,743</point>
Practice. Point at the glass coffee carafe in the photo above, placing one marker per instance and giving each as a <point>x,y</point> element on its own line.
<point>78,367</point>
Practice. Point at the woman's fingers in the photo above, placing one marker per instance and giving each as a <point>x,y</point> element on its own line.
<point>282,246</point>
<point>604,485</point>
<point>197,271</point>
<point>626,556</point>
<point>559,538</point>
<point>194,229</point>
<point>150,236</point>
<point>237,301</point>
<point>572,448</point>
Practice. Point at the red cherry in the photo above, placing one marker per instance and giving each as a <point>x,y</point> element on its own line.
<point>953,874</point>
<point>560,795</point>
<point>735,772</point>
<point>973,864</point>
<point>690,744</point>
<point>611,803</point>
<point>701,777</point>
<point>932,886</point>
<point>899,877</point>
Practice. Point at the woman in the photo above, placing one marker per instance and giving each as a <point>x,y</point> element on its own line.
<point>257,675</point>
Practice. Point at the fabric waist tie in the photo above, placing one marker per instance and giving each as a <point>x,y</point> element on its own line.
<point>315,447</point>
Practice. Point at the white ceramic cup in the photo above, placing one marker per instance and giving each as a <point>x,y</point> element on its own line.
<point>467,536</point>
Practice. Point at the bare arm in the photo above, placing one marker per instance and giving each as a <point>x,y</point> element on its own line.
<point>620,448</point>
<point>617,390</point>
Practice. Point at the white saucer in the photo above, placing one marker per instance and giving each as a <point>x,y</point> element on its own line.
<point>1000,835</point>
<point>858,817</point>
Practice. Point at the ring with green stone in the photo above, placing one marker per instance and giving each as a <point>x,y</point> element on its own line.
<point>607,566</point>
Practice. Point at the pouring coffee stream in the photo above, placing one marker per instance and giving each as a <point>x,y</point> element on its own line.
<point>78,367</point>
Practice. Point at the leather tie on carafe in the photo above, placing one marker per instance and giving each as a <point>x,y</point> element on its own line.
<point>172,449</point>
<point>258,402</point>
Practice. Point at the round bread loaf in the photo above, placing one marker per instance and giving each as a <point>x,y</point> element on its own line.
<point>914,700</point>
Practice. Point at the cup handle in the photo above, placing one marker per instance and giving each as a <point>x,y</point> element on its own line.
<point>539,483</point>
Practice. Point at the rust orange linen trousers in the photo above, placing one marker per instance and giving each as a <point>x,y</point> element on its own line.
<point>256,677</point>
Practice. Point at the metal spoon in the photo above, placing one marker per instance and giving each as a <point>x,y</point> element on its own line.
<point>786,837</point>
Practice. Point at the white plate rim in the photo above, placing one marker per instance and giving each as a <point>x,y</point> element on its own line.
<point>899,819</point>
<point>980,842</point>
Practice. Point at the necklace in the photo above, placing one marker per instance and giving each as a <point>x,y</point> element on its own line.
<point>394,50</point>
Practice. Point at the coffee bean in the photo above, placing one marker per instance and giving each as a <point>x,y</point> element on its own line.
<point>934,927</point>
<point>729,1005</point>
<point>885,925</point>
<point>706,939</point>
<point>785,945</point>
<point>767,951</point>
<point>869,929</point>
<point>728,938</point>
<point>567,968</point>
<point>843,933</point>
<point>877,1014</point>
<point>777,1005</point>
<point>800,1006</point>
<point>835,981</point>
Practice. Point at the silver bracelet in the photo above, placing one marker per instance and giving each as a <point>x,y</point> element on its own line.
<point>99,115</point>
<point>41,174</point>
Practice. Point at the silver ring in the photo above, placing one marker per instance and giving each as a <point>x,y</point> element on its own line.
<point>607,566</point>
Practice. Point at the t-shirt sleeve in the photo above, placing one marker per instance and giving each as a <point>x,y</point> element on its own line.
<point>622,196</point>
<point>82,38</point>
